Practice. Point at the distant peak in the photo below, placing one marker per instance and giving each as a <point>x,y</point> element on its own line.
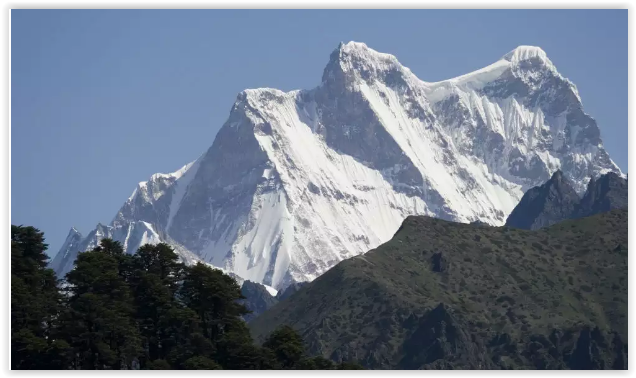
<point>524,53</point>
<point>362,51</point>
<point>358,57</point>
<point>73,233</point>
<point>353,46</point>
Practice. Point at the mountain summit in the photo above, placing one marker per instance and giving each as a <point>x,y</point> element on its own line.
<point>295,182</point>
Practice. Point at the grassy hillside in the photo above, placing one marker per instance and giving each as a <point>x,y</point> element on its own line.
<point>450,295</point>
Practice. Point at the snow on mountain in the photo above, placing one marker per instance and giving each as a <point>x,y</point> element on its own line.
<point>67,253</point>
<point>295,182</point>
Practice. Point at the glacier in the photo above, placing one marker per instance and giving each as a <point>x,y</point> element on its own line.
<point>295,182</point>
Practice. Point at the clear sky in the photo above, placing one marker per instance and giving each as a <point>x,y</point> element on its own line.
<point>102,99</point>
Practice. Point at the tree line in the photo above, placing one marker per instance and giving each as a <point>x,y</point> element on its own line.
<point>142,311</point>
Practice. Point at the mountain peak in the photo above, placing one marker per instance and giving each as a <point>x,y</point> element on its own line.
<point>522,53</point>
<point>358,57</point>
<point>67,253</point>
<point>353,47</point>
<point>360,51</point>
<point>73,233</point>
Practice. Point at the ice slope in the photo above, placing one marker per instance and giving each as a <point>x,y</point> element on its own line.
<point>295,182</point>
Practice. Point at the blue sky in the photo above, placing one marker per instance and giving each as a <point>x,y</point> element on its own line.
<point>102,99</point>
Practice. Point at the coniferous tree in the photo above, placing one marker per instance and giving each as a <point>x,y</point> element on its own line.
<point>147,310</point>
<point>349,366</point>
<point>315,363</point>
<point>236,350</point>
<point>183,338</point>
<point>214,297</point>
<point>35,305</point>
<point>155,271</point>
<point>158,365</point>
<point>100,323</point>
<point>287,346</point>
<point>201,363</point>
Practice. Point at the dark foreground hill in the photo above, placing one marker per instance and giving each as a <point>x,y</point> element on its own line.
<point>443,295</point>
<point>258,299</point>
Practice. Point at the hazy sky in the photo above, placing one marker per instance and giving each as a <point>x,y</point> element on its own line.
<point>100,100</point>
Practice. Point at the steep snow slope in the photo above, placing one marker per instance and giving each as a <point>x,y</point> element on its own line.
<point>295,182</point>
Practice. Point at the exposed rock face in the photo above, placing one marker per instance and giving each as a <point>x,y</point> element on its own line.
<point>603,194</point>
<point>438,340</point>
<point>257,299</point>
<point>291,289</point>
<point>556,201</point>
<point>545,205</point>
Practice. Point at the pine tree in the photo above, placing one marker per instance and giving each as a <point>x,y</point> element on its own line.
<point>35,304</point>
<point>236,350</point>
<point>349,366</point>
<point>315,363</point>
<point>182,337</point>
<point>161,261</point>
<point>145,311</point>
<point>213,296</point>
<point>287,346</point>
<point>201,363</point>
<point>99,322</point>
<point>158,365</point>
<point>155,271</point>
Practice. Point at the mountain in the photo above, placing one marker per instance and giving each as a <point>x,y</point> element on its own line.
<point>545,205</point>
<point>603,194</point>
<point>258,299</point>
<point>556,200</point>
<point>295,182</point>
<point>291,289</point>
<point>445,295</point>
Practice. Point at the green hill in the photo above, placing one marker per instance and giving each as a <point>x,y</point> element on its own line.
<point>450,295</point>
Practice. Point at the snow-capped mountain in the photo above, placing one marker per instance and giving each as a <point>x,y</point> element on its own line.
<point>296,182</point>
